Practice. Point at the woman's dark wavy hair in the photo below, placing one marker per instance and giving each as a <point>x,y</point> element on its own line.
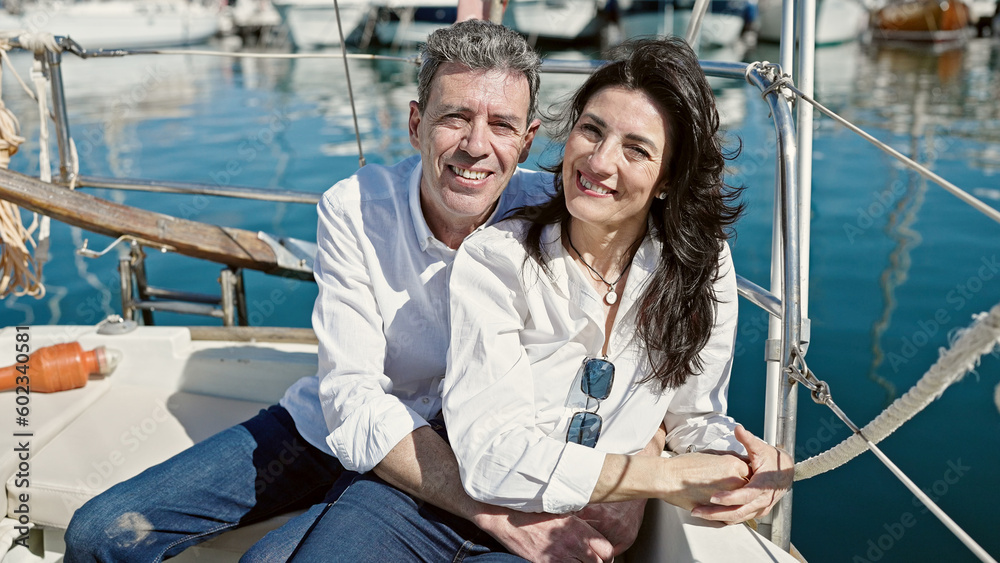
<point>677,310</point>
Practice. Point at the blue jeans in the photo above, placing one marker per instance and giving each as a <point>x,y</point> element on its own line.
<point>242,475</point>
<point>256,470</point>
<point>396,527</point>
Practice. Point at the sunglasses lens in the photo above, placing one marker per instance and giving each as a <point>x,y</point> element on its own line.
<point>584,429</point>
<point>598,375</point>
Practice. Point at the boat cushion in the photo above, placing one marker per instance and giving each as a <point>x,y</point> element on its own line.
<point>126,430</point>
<point>48,415</point>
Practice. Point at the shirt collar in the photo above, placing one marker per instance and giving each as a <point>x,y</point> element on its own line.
<point>643,263</point>
<point>551,241</point>
<point>422,230</point>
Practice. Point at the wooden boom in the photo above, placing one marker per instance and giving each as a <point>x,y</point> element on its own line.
<point>225,245</point>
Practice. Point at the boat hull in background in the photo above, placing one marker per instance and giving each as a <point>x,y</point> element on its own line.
<point>120,24</point>
<point>559,20</point>
<point>837,21</point>
<point>722,25</point>
<point>312,24</point>
<point>409,22</point>
<point>926,21</point>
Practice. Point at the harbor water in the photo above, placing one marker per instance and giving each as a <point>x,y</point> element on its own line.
<point>897,264</point>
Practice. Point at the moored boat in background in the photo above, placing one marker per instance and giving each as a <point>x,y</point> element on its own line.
<point>409,22</point>
<point>118,24</point>
<point>722,26</point>
<point>922,21</point>
<point>177,385</point>
<point>837,21</point>
<point>558,20</point>
<point>313,23</point>
<point>253,21</point>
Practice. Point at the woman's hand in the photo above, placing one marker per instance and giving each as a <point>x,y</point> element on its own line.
<point>692,480</point>
<point>772,471</point>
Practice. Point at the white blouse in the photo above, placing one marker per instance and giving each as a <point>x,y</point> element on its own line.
<point>518,339</point>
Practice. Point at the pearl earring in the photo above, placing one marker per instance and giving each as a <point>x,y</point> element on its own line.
<point>661,195</point>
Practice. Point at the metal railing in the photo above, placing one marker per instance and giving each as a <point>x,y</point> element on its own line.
<point>786,310</point>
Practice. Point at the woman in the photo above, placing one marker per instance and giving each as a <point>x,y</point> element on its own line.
<point>581,326</point>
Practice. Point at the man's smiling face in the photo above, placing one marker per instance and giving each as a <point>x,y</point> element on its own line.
<point>471,134</point>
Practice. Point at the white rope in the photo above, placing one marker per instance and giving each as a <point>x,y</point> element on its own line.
<point>3,53</point>
<point>41,83</point>
<point>36,42</point>
<point>20,273</point>
<point>38,76</point>
<point>74,164</point>
<point>966,349</point>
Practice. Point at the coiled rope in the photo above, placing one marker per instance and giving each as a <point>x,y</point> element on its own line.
<point>20,272</point>
<point>968,345</point>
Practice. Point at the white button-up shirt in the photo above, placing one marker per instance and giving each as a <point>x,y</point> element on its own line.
<point>381,315</point>
<point>518,340</point>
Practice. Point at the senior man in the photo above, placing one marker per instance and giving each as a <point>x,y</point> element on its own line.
<point>386,237</point>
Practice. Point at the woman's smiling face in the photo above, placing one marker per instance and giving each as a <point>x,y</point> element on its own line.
<point>615,159</point>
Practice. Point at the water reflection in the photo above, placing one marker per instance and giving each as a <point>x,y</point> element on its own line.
<point>876,84</point>
<point>900,229</point>
<point>196,118</point>
<point>962,86</point>
<point>938,107</point>
<point>294,117</point>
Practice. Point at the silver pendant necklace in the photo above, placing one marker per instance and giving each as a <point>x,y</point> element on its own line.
<point>611,297</point>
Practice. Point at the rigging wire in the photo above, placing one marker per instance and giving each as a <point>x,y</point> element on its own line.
<point>243,55</point>
<point>921,169</point>
<point>350,91</point>
<point>970,344</point>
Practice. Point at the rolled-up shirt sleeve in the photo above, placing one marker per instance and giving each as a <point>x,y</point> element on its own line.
<point>364,420</point>
<point>489,395</point>
<point>696,419</point>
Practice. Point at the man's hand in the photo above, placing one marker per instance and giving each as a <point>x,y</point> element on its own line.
<point>772,472</point>
<point>545,538</point>
<point>617,521</point>
<point>423,465</point>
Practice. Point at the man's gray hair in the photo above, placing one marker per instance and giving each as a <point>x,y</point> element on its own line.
<point>479,45</point>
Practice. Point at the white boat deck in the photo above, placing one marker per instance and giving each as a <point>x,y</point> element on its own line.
<point>170,392</point>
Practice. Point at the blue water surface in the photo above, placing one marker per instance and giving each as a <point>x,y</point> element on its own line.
<point>897,264</point>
